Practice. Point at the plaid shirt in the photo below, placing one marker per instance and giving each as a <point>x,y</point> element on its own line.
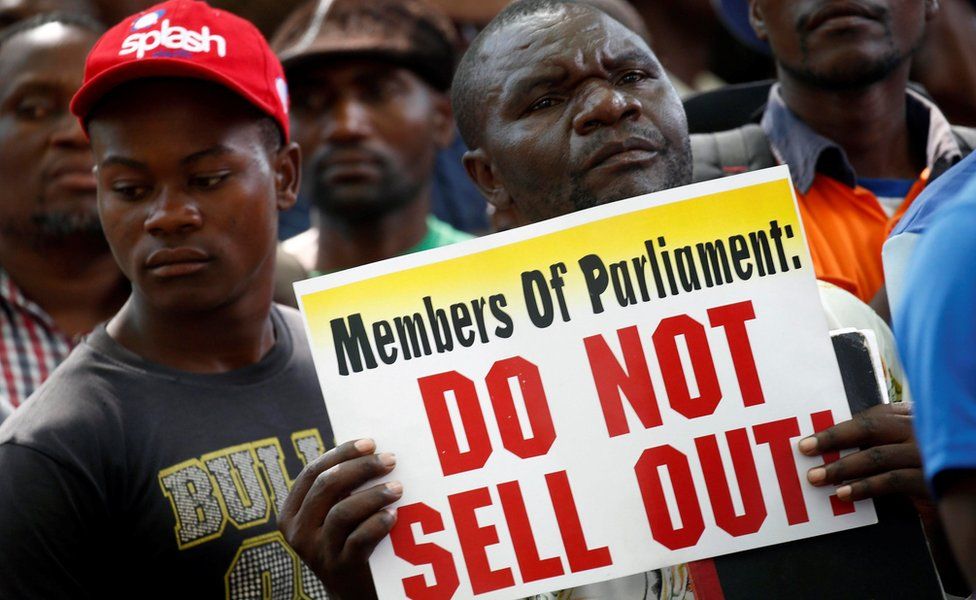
<point>31,345</point>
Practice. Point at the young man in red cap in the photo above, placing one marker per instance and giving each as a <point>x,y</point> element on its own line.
<point>154,463</point>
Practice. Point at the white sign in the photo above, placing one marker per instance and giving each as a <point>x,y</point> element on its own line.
<point>598,395</point>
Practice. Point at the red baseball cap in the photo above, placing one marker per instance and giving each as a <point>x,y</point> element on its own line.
<point>186,38</point>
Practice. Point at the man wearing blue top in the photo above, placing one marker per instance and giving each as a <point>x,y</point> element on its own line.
<point>936,328</point>
<point>900,246</point>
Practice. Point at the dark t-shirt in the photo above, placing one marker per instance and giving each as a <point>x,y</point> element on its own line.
<point>122,478</point>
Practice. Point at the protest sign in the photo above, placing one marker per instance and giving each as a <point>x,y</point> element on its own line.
<point>598,395</point>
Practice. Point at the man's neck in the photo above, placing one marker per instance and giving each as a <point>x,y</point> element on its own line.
<point>230,337</point>
<point>76,282</point>
<point>344,244</point>
<point>870,124</point>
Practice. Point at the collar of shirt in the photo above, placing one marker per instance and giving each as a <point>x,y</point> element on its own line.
<point>807,152</point>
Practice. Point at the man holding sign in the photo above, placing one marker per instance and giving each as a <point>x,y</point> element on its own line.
<point>551,133</point>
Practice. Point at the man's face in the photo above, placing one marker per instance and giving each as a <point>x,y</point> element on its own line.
<point>369,132</point>
<point>189,193</point>
<point>578,113</point>
<point>841,44</point>
<point>48,191</point>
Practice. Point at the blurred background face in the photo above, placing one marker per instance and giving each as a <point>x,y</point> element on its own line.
<point>13,11</point>
<point>580,113</point>
<point>369,133</point>
<point>48,190</point>
<point>845,44</point>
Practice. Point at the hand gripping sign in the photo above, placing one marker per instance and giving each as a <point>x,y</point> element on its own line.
<point>594,396</point>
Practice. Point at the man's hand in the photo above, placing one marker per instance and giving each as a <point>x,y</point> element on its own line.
<point>888,461</point>
<point>334,530</point>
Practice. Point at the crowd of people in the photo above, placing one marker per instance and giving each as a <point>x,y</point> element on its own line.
<point>168,171</point>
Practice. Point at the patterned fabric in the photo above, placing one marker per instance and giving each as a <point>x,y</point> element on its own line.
<point>31,345</point>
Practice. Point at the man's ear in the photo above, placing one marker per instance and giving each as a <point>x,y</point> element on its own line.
<point>931,9</point>
<point>478,165</point>
<point>288,175</point>
<point>443,120</point>
<point>758,21</point>
<point>505,214</point>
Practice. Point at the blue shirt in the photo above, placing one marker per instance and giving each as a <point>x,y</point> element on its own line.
<point>935,326</point>
<point>900,247</point>
<point>938,193</point>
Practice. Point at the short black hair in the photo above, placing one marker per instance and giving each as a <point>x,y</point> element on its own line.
<point>271,134</point>
<point>466,92</point>
<point>79,21</point>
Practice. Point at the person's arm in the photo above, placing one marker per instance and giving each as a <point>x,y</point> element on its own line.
<point>334,530</point>
<point>957,506</point>
<point>49,523</point>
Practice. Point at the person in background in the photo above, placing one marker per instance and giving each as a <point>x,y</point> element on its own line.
<point>370,111</point>
<point>943,64</point>
<point>154,461</point>
<point>266,16</point>
<point>57,275</point>
<point>861,145</point>
<point>935,323</point>
<point>15,11</point>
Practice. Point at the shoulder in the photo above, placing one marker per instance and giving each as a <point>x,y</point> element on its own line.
<point>730,152</point>
<point>303,248</point>
<point>443,233</point>
<point>292,321</point>
<point>939,194</point>
<point>947,246</point>
<point>74,418</point>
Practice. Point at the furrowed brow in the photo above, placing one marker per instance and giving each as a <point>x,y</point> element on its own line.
<point>633,57</point>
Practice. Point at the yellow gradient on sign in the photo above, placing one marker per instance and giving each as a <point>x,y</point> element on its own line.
<point>498,270</point>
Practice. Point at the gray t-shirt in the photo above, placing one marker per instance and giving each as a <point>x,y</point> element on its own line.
<point>121,478</point>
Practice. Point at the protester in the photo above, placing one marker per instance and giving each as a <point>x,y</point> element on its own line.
<point>602,129</point>
<point>370,111</point>
<point>154,461</point>
<point>936,328</point>
<point>860,144</point>
<point>57,275</point>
